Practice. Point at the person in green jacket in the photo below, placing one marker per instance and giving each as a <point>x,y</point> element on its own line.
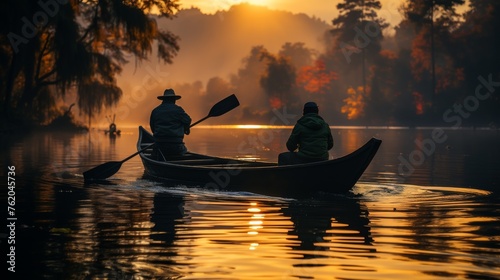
<point>169,122</point>
<point>312,137</point>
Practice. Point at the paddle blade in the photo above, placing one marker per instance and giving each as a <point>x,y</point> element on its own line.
<point>225,105</point>
<point>102,171</point>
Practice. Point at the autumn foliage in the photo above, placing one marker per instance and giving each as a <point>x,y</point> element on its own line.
<point>316,78</point>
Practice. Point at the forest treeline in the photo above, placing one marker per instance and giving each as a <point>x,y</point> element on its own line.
<point>442,69</point>
<point>438,67</point>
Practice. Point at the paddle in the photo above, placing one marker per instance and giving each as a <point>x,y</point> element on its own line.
<point>225,105</point>
<point>108,169</point>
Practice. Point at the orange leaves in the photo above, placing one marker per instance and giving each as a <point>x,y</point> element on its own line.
<point>389,55</point>
<point>275,102</point>
<point>420,55</point>
<point>315,78</point>
<point>355,103</point>
<point>448,77</point>
<point>418,100</point>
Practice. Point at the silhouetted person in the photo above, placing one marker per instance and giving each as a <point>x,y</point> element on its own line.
<point>113,131</point>
<point>312,137</point>
<point>169,123</point>
<point>112,128</point>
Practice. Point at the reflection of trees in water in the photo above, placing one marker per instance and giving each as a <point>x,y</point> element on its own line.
<point>56,154</point>
<point>430,233</point>
<point>44,232</point>
<point>99,232</point>
<point>313,225</point>
<point>486,226</point>
<point>113,234</point>
<point>443,229</point>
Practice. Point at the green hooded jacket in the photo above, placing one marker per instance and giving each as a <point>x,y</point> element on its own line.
<point>312,136</point>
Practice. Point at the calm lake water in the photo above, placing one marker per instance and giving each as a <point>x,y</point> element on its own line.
<point>420,211</point>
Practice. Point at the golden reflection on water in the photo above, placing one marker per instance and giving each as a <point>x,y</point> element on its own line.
<point>244,126</point>
<point>147,231</point>
<point>256,222</point>
<point>134,228</point>
<point>453,163</point>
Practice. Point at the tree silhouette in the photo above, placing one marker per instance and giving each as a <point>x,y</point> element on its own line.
<point>278,81</point>
<point>358,35</point>
<point>216,89</point>
<point>78,46</point>
<point>298,54</point>
<point>432,19</point>
<point>358,29</point>
<point>477,44</point>
<point>247,80</point>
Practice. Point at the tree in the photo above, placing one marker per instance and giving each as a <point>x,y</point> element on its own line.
<point>278,81</point>
<point>358,29</point>
<point>431,19</point>
<point>477,46</point>
<point>216,89</point>
<point>298,54</point>
<point>76,46</point>
<point>355,103</point>
<point>316,78</point>
<point>247,82</point>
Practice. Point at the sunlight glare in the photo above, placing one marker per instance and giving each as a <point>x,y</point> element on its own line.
<point>249,126</point>
<point>253,2</point>
<point>214,6</point>
<point>253,246</point>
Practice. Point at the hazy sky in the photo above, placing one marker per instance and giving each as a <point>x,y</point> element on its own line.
<point>324,9</point>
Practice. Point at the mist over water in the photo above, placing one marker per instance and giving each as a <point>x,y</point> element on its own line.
<point>427,206</point>
<point>215,47</point>
<point>439,222</point>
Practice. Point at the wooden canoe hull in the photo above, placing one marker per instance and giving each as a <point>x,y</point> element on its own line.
<point>332,176</point>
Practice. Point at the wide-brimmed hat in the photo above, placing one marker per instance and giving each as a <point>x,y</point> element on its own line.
<point>169,94</point>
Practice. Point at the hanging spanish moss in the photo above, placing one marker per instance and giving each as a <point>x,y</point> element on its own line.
<point>78,47</point>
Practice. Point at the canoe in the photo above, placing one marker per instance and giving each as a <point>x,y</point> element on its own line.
<point>330,176</point>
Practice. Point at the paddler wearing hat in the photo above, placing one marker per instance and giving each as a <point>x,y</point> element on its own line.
<point>169,122</point>
<point>311,137</point>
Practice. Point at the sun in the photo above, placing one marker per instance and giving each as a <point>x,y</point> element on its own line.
<point>229,3</point>
<point>218,5</point>
<point>234,2</point>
